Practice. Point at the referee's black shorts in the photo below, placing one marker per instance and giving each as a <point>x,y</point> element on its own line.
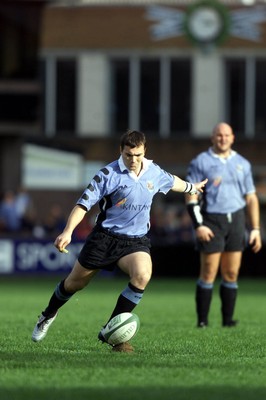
<point>103,249</point>
<point>229,232</point>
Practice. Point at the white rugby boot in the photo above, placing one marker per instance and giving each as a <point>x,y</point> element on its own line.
<point>41,328</point>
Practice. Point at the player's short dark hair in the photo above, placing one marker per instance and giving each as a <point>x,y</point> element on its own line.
<point>132,139</point>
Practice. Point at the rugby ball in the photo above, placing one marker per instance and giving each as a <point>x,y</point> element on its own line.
<point>121,328</point>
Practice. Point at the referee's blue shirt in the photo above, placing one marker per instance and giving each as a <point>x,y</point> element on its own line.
<point>229,180</point>
<point>125,199</point>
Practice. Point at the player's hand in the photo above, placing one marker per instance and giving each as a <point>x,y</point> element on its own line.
<point>201,185</point>
<point>62,241</point>
<point>255,240</point>
<point>204,233</point>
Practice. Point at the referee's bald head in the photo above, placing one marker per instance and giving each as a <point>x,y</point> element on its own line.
<point>222,127</point>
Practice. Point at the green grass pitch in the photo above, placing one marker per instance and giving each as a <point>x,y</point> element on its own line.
<point>173,360</point>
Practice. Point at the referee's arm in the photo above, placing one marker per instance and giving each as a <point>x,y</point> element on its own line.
<point>203,232</point>
<point>253,214</point>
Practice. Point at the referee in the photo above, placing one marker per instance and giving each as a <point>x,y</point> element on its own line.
<point>219,218</point>
<point>124,190</point>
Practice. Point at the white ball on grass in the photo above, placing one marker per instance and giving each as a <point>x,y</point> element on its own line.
<point>121,328</point>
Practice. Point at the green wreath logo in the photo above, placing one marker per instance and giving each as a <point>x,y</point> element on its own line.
<point>207,22</point>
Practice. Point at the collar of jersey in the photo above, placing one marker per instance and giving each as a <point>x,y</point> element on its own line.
<point>232,154</point>
<point>145,165</point>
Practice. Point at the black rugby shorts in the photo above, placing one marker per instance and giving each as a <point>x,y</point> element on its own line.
<point>229,231</point>
<point>103,249</point>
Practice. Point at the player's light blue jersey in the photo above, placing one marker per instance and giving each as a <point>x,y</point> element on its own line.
<point>125,199</point>
<point>229,180</point>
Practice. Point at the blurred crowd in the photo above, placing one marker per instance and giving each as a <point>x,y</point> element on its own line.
<point>170,225</point>
<point>21,218</point>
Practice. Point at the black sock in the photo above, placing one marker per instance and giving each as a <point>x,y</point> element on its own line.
<point>228,295</point>
<point>203,301</point>
<point>127,300</point>
<point>58,299</point>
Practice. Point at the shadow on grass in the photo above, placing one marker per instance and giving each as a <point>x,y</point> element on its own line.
<point>78,366</point>
<point>120,393</point>
<point>76,387</point>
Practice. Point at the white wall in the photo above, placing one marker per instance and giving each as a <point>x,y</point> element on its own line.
<point>207,93</point>
<point>92,115</point>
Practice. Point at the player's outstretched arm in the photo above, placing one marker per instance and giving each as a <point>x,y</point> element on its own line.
<point>187,187</point>
<point>75,217</point>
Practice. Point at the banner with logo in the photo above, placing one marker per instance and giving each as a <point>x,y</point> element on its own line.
<point>25,256</point>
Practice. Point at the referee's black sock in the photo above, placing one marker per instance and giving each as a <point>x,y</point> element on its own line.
<point>228,295</point>
<point>127,300</point>
<point>58,299</point>
<point>203,301</point>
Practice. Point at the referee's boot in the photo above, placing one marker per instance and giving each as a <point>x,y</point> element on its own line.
<point>230,323</point>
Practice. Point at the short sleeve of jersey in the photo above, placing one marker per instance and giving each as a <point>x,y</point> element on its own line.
<point>165,179</point>
<point>96,189</point>
<point>248,185</point>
